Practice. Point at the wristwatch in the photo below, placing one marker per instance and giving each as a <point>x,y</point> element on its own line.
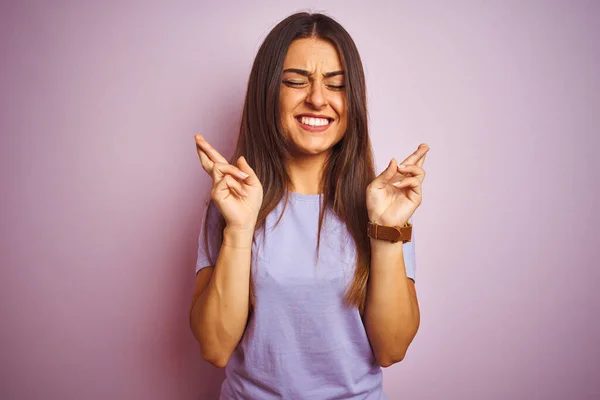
<point>390,233</point>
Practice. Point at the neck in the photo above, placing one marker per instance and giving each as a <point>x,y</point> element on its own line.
<point>305,173</point>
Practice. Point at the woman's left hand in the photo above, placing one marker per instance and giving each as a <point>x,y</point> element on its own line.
<point>393,196</point>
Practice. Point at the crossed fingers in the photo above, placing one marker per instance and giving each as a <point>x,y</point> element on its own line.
<point>218,168</point>
<point>412,166</point>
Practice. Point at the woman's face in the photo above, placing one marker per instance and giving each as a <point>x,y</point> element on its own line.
<point>312,100</point>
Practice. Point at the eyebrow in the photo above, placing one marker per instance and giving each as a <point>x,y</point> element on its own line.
<point>307,73</point>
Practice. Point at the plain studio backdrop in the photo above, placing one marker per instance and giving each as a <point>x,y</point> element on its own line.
<point>102,190</point>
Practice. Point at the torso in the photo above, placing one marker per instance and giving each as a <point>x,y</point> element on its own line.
<point>301,341</point>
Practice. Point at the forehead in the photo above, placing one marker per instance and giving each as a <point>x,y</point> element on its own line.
<point>312,54</point>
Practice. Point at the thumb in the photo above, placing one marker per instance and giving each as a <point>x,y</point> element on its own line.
<point>252,179</point>
<point>390,171</point>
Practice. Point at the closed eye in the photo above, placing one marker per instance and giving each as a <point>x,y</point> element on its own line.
<point>302,84</point>
<point>294,83</point>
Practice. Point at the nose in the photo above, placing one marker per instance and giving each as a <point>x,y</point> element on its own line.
<point>316,97</point>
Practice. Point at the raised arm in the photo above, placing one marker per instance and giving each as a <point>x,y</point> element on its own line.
<point>219,309</point>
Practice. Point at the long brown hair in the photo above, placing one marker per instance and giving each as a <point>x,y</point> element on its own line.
<point>349,167</point>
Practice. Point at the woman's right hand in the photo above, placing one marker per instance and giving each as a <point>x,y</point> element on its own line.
<point>236,190</point>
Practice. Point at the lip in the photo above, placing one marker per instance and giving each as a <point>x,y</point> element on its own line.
<point>309,128</point>
<point>309,115</point>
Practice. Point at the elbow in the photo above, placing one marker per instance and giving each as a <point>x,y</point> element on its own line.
<point>392,355</point>
<point>388,360</point>
<point>217,362</point>
<point>216,359</point>
<point>211,350</point>
<point>396,352</point>
<point>215,354</point>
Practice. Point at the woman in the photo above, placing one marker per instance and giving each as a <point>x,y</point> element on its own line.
<point>292,295</point>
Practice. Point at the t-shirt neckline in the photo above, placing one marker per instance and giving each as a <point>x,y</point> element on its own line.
<point>309,198</point>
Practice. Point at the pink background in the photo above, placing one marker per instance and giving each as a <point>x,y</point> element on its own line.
<point>102,190</point>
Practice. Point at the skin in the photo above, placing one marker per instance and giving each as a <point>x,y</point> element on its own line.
<point>314,92</point>
<point>392,315</point>
<point>220,302</point>
<point>219,308</point>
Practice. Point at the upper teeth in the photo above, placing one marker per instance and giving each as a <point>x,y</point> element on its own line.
<point>314,121</point>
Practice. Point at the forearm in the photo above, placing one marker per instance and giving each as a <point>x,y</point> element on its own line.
<point>391,313</point>
<point>220,313</point>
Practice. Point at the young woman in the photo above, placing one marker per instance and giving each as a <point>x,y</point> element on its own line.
<point>304,288</point>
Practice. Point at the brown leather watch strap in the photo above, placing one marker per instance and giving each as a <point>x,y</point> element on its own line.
<point>390,233</point>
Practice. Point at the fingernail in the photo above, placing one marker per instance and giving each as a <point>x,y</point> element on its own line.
<point>401,166</point>
<point>244,175</point>
<point>397,184</point>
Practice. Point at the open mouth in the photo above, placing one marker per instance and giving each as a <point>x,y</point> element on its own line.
<point>314,124</point>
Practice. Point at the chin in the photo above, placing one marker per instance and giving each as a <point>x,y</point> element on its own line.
<point>314,152</point>
<point>312,149</point>
<point>308,152</point>
<point>305,143</point>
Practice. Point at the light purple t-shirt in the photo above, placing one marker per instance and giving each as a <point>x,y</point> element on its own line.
<point>302,342</point>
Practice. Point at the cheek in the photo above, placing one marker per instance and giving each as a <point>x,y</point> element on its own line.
<point>339,105</point>
<point>340,109</point>
<point>283,101</point>
<point>288,101</point>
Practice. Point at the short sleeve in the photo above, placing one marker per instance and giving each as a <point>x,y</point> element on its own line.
<point>410,262</point>
<point>204,259</point>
